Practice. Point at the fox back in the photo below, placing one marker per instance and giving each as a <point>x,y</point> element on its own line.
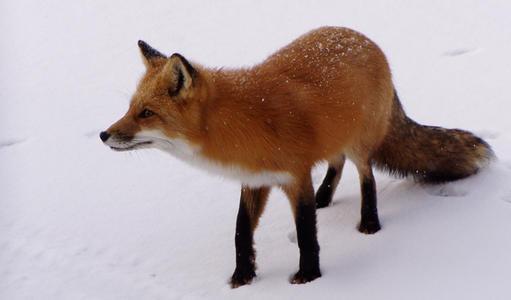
<point>326,93</point>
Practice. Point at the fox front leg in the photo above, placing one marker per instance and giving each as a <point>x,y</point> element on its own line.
<point>252,203</point>
<point>301,196</point>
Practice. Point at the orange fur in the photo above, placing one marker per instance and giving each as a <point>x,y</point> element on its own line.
<point>326,96</point>
<point>327,93</point>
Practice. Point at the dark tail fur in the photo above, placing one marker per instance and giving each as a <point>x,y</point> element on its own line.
<point>430,154</point>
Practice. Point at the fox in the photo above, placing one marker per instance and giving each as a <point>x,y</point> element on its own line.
<point>326,97</point>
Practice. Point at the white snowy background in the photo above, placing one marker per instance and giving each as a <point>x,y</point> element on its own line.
<point>79,221</point>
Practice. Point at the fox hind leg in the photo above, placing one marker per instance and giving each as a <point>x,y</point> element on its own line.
<point>369,222</point>
<point>327,189</point>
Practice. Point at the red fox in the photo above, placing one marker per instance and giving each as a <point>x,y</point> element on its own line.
<point>326,96</point>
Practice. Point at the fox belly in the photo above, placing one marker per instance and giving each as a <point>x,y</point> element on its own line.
<point>191,154</point>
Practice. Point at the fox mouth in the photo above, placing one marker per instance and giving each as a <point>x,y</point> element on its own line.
<point>131,147</point>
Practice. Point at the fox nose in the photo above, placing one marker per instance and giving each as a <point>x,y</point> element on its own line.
<point>104,136</point>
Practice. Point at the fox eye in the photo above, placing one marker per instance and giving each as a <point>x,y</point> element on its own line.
<point>146,113</point>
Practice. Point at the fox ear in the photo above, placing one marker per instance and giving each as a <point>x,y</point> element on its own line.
<point>180,73</point>
<point>149,54</point>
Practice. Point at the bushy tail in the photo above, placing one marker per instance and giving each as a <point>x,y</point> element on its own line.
<point>429,154</point>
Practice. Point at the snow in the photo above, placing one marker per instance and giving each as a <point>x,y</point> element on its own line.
<point>78,221</point>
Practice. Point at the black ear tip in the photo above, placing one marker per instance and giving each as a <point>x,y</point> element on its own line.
<point>141,43</point>
<point>181,57</point>
<point>186,63</point>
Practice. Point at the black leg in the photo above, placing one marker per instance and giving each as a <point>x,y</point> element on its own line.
<point>369,222</point>
<point>252,202</point>
<point>308,243</point>
<point>327,189</point>
<point>305,220</point>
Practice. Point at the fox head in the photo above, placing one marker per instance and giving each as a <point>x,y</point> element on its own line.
<point>166,106</point>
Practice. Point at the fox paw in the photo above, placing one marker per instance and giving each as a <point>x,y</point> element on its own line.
<point>242,277</point>
<point>369,227</point>
<point>302,277</point>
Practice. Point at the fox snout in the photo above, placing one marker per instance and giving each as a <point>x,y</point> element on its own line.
<point>122,142</point>
<point>121,135</point>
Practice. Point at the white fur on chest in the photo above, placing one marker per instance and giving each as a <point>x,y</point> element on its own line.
<point>181,149</point>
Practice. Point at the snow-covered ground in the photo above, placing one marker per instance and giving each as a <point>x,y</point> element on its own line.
<point>78,221</point>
